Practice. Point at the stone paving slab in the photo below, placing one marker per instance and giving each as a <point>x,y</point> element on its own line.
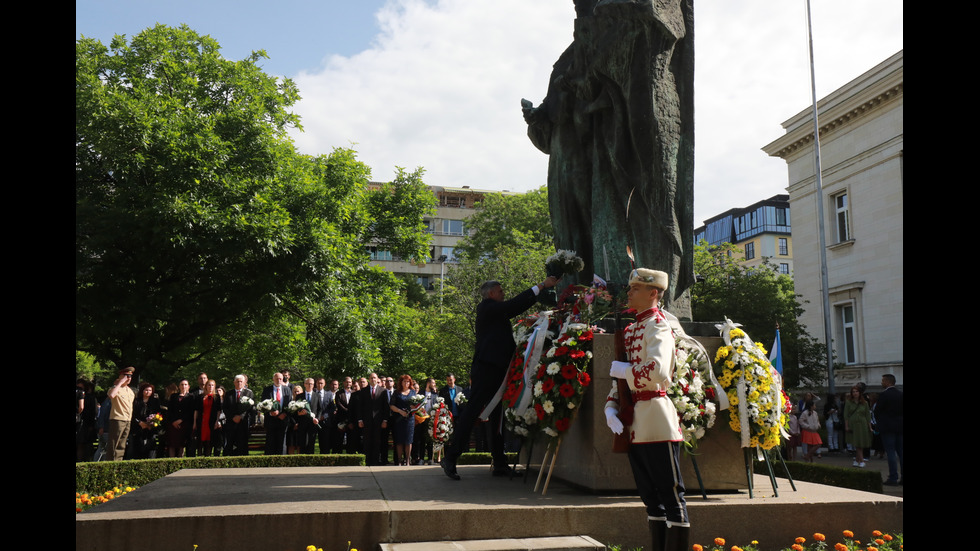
<point>290,508</point>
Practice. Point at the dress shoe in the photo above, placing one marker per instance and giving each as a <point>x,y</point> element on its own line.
<point>449,467</point>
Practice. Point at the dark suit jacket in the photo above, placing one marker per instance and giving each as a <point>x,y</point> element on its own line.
<point>494,335</point>
<point>233,407</point>
<point>372,410</point>
<point>444,394</point>
<point>287,396</point>
<point>341,411</point>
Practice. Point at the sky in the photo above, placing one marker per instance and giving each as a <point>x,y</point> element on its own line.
<point>438,83</point>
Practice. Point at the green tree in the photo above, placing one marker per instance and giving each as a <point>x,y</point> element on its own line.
<point>759,298</point>
<point>195,215</point>
<point>508,222</point>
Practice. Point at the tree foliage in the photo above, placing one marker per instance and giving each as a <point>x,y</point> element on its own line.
<point>759,298</point>
<point>508,222</point>
<point>196,220</point>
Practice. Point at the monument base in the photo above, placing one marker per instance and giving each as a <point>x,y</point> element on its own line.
<point>585,458</point>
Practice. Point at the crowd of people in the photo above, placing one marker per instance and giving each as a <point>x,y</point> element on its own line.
<point>857,423</point>
<point>376,416</point>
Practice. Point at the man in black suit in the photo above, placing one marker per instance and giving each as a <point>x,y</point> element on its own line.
<point>343,415</point>
<point>326,426</point>
<point>494,347</point>
<point>372,419</point>
<point>275,420</point>
<point>449,393</point>
<point>309,424</point>
<point>237,417</point>
<point>890,416</point>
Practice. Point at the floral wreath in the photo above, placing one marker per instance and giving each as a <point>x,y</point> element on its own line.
<point>691,394</point>
<point>757,402</point>
<point>440,424</point>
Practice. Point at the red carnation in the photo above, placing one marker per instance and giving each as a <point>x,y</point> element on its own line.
<point>586,336</point>
<point>569,371</point>
<point>576,354</point>
<point>561,351</point>
<point>566,390</point>
<point>547,385</point>
<point>542,370</point>
<point>709,392</point>
<point>562,424</point>
<point>584,379</point>
<point>539,410</point>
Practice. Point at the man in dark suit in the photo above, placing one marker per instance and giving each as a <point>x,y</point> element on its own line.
<point>494,347</point>
<point>237,417</point>
<point>275,420</point>
<point>372,418</point>
<point>343,415</point>
<point>309,424</point>
<point>449,393</point>
<point>324,406</point>
<point>890,416</point>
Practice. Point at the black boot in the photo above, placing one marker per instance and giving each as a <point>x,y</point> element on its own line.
<point>677,538</point>
<point>658,534</point>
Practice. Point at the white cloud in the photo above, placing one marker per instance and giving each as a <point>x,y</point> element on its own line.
<point>442,83</point>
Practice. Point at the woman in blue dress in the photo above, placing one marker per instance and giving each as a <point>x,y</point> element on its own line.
<point>404,420</point>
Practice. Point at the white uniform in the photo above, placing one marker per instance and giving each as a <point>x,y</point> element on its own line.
<point>650,348</point>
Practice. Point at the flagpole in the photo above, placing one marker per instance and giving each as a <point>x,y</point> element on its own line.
<point>824,280</point>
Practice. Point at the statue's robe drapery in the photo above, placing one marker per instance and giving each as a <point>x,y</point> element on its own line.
<point>618,124</point>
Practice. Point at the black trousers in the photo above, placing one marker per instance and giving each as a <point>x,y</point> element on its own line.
<point>657,472</point>
<point>486,381</point>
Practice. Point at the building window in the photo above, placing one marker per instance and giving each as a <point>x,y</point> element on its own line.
<point>379,254</point>
<point>843,217</point>
<point>452,227</point>
<point>449,252</point>
<point>848,333</point>
<point>783,246</point>
<point>749,251</point>
<point>784,268</point>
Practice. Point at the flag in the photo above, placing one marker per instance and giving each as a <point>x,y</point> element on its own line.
<point>776,354</point>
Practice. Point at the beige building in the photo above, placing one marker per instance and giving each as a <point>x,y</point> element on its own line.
<point>453,207</point>
<point>861,142</point>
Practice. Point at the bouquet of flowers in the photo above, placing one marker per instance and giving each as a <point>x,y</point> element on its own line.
<point>296,406</point>
<point>691,394</point>
<point>155,421</point>
<point>416,403</point>
<point>755,397</point>
<point>440,425</point>
<point>460,399</point>
<point>246,401</point>
<point>563,262</point>
<point>268,405</point>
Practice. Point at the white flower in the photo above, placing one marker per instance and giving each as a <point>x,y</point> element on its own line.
<point>548,406</point>
<point>530,416</point>
<point>550,431</point>
<point>553,368</point>
<point>571,405</point>
<point>538,388</point>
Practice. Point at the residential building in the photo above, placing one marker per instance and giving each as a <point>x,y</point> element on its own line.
<point>762,230</point>
<point>455,204</point>
<point>861,152</point>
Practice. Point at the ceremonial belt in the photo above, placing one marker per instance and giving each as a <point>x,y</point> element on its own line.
<point>641,395</point>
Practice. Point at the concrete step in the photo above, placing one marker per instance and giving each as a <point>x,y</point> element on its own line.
<point>556,543</point>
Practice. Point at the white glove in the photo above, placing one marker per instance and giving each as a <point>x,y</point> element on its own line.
<point>613,421</point>
<point>619,369</point>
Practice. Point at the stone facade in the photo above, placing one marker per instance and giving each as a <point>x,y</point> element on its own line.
<point>862,143</point>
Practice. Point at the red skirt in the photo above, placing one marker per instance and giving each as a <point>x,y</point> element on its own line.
<point>811,438</point>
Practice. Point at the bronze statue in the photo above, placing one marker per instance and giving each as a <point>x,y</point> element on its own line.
<point>618,124</point>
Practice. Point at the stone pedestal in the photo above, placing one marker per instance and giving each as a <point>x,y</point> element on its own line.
<point>585,458</point>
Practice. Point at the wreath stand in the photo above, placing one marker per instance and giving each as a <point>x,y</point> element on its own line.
<point>747,454</point>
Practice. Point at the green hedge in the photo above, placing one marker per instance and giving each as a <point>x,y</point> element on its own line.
<point>103,475</point>
<point>842,477</point>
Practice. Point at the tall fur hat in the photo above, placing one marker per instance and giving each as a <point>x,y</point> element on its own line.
<point>646,276</point>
